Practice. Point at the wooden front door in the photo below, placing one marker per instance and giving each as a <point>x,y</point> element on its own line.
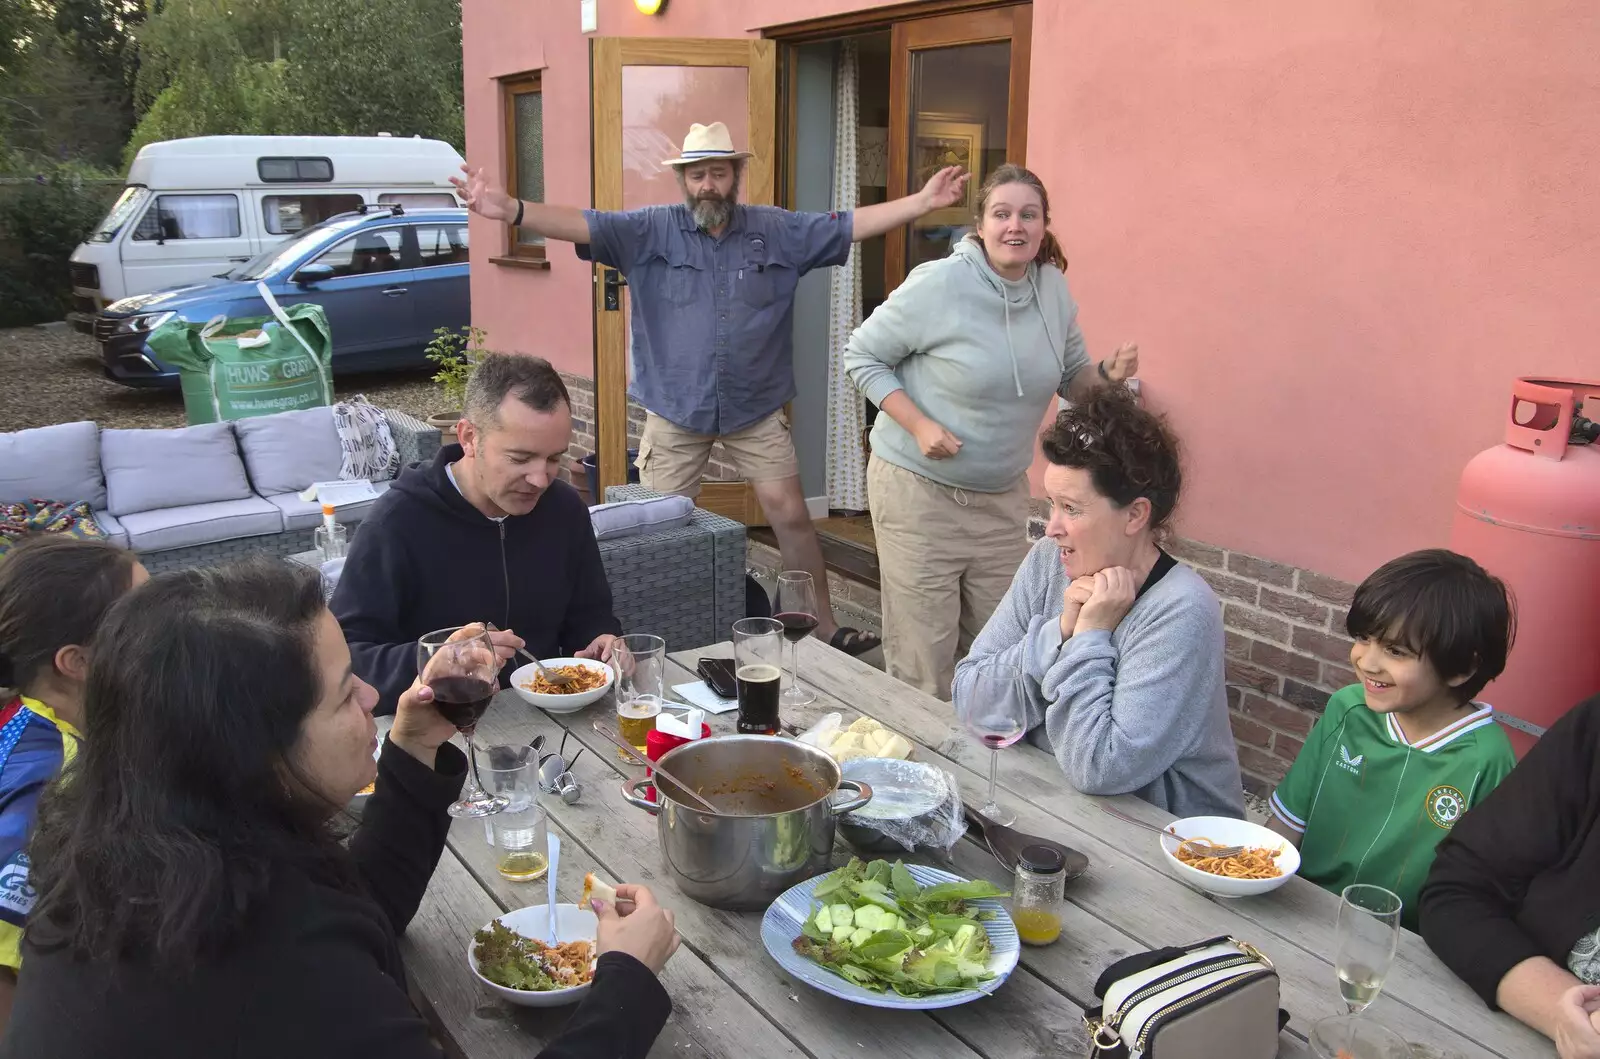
<point>645,93</point>
<point>958,95</point>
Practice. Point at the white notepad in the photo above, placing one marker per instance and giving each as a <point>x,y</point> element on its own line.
<point>700,694</point>
<point>341,492</point>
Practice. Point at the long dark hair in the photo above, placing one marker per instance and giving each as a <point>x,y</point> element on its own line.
<point>53,592</point>
<point>1050,252</point>
<point>1129,451</point>
<point>178,817</point>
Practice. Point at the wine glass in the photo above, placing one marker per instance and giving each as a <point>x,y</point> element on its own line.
<point>993,708</point>
<point>460,667</point>
<point>1368,934</point>
<point>797,609</point>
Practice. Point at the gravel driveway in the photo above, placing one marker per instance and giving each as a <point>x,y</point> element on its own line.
<point>53,375</point>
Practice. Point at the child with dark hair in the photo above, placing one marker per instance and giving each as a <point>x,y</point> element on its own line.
<point>1396,759</point>
<point>53,592</point>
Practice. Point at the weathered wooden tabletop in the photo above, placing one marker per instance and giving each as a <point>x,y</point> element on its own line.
<point>732,1001</point>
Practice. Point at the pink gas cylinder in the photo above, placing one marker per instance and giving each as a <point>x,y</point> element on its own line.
<point>1529,512</point>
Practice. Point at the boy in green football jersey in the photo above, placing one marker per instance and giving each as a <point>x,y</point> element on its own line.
<point>1396,759</point>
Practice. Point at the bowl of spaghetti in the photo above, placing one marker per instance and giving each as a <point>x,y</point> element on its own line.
<point>1268,861</point>
<point>590,681</point>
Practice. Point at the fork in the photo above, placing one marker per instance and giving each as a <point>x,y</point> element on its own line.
<point>1198,848</point>
<point>558,679</point>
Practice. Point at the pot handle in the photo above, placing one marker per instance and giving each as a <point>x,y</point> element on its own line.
<point>631,795</point>
<point>863,796</point>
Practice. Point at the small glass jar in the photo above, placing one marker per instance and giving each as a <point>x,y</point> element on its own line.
<point>1036,895</point>
<point>329,540</point>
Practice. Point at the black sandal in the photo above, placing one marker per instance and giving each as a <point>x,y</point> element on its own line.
<point>853,642</point>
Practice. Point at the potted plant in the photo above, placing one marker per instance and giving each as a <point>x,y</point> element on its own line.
<point>456,354</point>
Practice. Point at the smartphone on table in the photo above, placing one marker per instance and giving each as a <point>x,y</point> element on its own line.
<point>718,675</point>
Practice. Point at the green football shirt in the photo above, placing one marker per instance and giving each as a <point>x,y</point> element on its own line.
<point>1371,805</point>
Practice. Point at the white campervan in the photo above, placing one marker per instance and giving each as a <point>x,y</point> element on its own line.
<point>196,208</point>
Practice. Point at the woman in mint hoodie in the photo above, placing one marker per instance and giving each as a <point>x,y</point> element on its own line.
<point>964,360</point>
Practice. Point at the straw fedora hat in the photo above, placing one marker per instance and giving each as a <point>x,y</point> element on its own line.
<point>707,143</point>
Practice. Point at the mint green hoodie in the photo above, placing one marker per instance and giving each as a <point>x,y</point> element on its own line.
<point>980,354</point>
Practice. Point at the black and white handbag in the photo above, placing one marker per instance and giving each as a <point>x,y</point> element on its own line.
<point>1215,999</point>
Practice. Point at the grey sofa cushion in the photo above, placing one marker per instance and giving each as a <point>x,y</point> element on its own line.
<point>288,451</point>
<point>182,527</point>
<point>624,517</point>
<point>59,462</point>
<point>150,469</point>
<point>116,533</point>
<point>301,514</point>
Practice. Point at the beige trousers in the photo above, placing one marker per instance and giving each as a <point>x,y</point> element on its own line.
<point>945,559</point>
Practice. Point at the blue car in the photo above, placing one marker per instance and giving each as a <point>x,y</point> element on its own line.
<point>386,276</point>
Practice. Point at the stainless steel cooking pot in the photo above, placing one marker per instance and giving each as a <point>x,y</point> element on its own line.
<point>775,827</point>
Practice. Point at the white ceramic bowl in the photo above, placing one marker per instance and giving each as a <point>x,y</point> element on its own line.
<point>1225,831</point>
<point>572,924</point>
<point>563,703</point>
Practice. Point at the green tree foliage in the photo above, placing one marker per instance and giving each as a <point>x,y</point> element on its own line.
<point>66,77</point>
<point>41,222</point>
<point>301,67</point>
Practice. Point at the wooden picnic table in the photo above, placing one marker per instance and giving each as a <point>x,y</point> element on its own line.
<point>731,1000</point>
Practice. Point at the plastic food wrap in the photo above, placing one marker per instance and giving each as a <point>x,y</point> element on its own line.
<point>864,738</point>
<point>914,805</point>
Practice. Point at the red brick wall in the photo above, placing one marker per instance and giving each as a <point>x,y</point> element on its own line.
<point>1286,649</point>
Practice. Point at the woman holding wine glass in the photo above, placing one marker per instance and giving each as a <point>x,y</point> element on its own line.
<point>460,668</point>
<point>192,901</point>
<point>1118,645</point>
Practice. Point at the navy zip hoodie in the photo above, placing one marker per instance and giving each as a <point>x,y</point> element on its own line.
<point>426,559</point>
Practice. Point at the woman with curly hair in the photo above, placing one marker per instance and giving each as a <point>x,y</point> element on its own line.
<point>1119,645</point>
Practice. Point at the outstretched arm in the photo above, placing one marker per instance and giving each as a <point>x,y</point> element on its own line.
<point>945,188</point>
<point>566,223</point>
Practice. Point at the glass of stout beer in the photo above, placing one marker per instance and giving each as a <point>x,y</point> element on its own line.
<point>758,662</point>
<point>463,672</point>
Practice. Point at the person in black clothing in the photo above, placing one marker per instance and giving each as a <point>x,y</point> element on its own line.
<point>191,900</point>
<point>486,533</point>
<point>1512,904</point>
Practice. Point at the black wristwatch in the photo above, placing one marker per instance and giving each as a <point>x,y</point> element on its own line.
<point>1101,366</point>
<point>516,222</point>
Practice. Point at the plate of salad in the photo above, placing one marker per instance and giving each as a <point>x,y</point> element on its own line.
<point>893,935</point>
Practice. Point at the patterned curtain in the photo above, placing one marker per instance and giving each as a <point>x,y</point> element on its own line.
<point>847,462</point>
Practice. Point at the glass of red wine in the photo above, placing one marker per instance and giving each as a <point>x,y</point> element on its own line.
<point>992,707</point>
<point>796,608</point>
<point>463,672</point>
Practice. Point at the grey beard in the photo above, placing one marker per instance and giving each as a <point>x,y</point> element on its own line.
<point>712,213</point>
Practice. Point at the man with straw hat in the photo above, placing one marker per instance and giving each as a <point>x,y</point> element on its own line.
<point>713,285</point>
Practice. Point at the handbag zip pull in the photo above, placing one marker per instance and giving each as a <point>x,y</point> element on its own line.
<point>1250,950</point>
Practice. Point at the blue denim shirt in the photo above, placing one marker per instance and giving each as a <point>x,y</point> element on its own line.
<point>713,347</point>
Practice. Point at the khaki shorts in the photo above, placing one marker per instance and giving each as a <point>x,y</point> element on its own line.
<point>673,460</point>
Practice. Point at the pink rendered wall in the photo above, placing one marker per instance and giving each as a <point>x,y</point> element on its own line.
<point>1337,229</point>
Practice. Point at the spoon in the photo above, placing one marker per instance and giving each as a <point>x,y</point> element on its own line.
<point>1006,845</point>
<point>624,745</point>
<point>554,848</point>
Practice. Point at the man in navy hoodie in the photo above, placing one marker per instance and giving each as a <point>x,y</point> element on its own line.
<point>487,532</point>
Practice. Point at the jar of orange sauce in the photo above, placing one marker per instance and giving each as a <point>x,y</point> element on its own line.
<point>1036,896</point>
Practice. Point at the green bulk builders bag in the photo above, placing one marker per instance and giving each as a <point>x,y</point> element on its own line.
<point>250,366</point>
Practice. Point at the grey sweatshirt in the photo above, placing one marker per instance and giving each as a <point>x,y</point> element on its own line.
<point>1140,710</point>
<point>979,354</point>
